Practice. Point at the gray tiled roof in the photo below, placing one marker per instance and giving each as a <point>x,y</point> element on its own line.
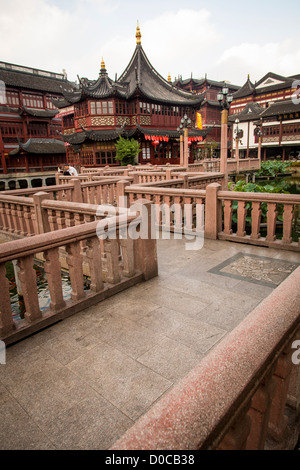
<point>41,146</point>
<point>141,77</point>
<point>31,81</point>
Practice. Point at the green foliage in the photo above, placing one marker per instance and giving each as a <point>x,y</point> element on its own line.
<point>260,188</point>
<point>256,188</point>
<point>272,168</point>
<point>127,150</point>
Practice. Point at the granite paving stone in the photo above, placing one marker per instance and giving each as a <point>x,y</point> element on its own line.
<point>81,383</point>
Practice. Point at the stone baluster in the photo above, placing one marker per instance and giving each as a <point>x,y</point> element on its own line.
<point>9,218</point>
<point>178,216</point>
<point>158,213</point>
<point>105,194</point>
<point>188,214</point>
<point>52,269</point>
<point>16,220</point>
<point>282,373</point>
<point>111,248</point>
<point>111,194</point>
<point>200,215</point>
<point>259,413</point>
<point>2,217</point>
<point>288,215</point>
<point>69,219</point>
<point>255,220</point>
<point>127,251</point>
<point>271,221</point>
<point>74,261</point>
<point>60,219</point>
<point>29,223</point>
<point>228,210</point>
<point>6,320</point>
<point>241,218</point>
<point>94,260</point>
<point>78,218</point>
<point>27,278</point>
<point>22,225</point>
<point>236,437</point>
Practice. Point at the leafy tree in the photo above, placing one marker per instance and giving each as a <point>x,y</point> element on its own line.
<point>127,150</point>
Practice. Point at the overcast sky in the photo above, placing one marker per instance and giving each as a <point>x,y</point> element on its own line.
<point>227,40</point>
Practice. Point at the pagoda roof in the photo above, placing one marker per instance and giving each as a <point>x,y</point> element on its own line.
<point>171,132</point>
<point>280,108</point>
<point>141,77</point>
<point>201,81</point>
<point>78,138</point>
<point>250,112</point>
<point>268,83</point>
<point>40,146</point>
<point>246,90</point>
<point>46,113</point>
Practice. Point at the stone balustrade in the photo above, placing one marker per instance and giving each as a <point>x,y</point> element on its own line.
<point>278,232</point>
<point>219,209</point>
<point>112,263</point>
<point>236,397</point>
<point>18,213</point>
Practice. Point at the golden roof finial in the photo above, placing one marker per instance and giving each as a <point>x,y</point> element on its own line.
<point>138,34</point>
<point>169,78</point>
<point>102,64</point>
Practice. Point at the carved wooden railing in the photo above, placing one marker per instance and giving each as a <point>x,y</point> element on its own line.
<point>112,264</point>
<point>236,397</point>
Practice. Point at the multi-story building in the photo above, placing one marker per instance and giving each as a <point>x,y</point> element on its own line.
<point>30,129</point>
<point>272,106</point>
<point>210,107</point>
<point>140,104</point>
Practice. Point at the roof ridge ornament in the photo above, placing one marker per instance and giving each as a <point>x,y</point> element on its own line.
<point>138,34</point>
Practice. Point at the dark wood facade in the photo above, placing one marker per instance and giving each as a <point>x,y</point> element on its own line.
<point>139,104</point>
<point>29,126</point>
<point>210,109</point>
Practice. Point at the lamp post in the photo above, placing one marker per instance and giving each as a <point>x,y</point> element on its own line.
<point>185,123</point>
<point>224,99</point>
<point>238,132</point>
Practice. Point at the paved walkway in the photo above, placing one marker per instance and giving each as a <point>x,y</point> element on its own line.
<point>80,384</point>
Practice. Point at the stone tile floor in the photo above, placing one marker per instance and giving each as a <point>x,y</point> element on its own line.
<point>80,384</point>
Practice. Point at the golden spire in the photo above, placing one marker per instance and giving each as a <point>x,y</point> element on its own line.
<point>169,78</point>
<point>138,34</point>
<point>102,64</point>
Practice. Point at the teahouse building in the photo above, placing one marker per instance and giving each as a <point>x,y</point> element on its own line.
<point>139,104</point>
<point>271,107</point>
<point>29,125</point>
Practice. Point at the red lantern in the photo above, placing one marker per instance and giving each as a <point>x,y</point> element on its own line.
<point>155,143</point>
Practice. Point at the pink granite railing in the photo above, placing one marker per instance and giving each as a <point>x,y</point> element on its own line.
<point>112,263</point>
<point>278,232</point>
<point>17,214</point>
<point>244,164</point>
<point>236,397</point>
